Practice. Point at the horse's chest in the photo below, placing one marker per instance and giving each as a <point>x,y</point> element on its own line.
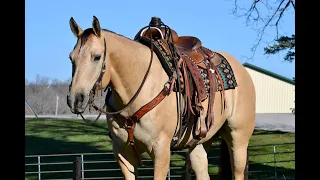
<point>117,133</point>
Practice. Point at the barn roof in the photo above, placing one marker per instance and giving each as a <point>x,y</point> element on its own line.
<point>269,73</point>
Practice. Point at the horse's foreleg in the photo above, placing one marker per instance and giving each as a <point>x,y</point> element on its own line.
<point>199,162</point>
<point>161,159</point>
<point>126,160</point>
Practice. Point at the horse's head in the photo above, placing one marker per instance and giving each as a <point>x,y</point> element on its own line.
<point>88,60</point>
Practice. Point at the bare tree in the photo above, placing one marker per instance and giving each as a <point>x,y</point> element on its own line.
<point>42,95</point>
<point>262,14</point>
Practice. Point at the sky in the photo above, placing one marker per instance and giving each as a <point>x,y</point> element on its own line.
<point>49,40</point>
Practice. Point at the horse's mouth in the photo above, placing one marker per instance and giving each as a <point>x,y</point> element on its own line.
<point>77,107</point>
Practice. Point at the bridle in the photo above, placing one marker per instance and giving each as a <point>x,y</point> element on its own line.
<point>98,84</point>
<point>99,81</point>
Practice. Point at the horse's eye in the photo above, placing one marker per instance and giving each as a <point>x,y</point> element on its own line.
<point>97,57</point>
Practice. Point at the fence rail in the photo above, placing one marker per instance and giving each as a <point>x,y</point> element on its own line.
<point>83,166</point>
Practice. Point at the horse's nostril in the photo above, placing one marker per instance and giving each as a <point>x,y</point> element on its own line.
<point>80,97</point>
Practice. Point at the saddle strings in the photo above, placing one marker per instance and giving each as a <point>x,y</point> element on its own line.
<point>175,56</point>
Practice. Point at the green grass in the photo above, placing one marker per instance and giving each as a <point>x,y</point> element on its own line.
<point>55,136</point>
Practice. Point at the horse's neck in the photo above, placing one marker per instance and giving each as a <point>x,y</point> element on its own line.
<point>128,65</point>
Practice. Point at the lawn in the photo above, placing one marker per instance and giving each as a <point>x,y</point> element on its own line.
<point>64,136</point>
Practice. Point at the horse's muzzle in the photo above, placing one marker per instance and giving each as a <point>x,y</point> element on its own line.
<point>77,102</point>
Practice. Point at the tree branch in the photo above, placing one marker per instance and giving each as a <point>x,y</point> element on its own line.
<point>283,43</point>
<point>281,14</point>
<point>277,14</point>
<point>293,5</point>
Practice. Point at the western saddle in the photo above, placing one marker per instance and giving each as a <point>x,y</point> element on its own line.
<point>195,67</point>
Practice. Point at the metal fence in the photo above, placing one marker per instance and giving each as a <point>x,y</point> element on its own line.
<point>85,166</point>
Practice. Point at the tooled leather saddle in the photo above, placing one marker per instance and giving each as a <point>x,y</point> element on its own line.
<point>195,69</point>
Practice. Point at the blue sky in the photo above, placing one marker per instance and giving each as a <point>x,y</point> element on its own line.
<point>49,39</point>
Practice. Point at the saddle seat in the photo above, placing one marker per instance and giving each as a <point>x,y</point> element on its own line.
<point>188,43</point>
<point>190,46</point>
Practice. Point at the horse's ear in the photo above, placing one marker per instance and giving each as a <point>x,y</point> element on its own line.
<point>76,30</point>
<point>96,26</point>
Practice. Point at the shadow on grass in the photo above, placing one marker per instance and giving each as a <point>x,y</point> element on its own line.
<point>38,140</point>
<point>52,136</point>
<point>36,145</point>
<point>257,170</point>
<point>67,126</point>
<point>260,167</point>
<point>43,146</point>
<point>262,132</point>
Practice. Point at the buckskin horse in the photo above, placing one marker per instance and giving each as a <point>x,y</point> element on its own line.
<point>168,92</point>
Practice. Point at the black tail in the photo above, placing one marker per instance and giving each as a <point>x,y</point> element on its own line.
<point>225,172</point>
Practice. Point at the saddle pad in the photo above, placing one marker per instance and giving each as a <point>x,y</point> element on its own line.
<point>227,75</point>
<point>225,70</point>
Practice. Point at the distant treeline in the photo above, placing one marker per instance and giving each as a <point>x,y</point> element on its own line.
<point>42,94</point>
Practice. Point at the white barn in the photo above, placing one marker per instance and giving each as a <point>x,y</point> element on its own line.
<point>274,93</point>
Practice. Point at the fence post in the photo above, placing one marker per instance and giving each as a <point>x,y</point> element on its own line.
<point>39,170</point>
<point>187,175</point>
<point>77,169</point>
<point>57,105</point>
<point>275,161</point>
<point>82,166</point>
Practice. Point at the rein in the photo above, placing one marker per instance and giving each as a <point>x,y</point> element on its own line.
<point>92,92</point>
<point>99,81</point>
